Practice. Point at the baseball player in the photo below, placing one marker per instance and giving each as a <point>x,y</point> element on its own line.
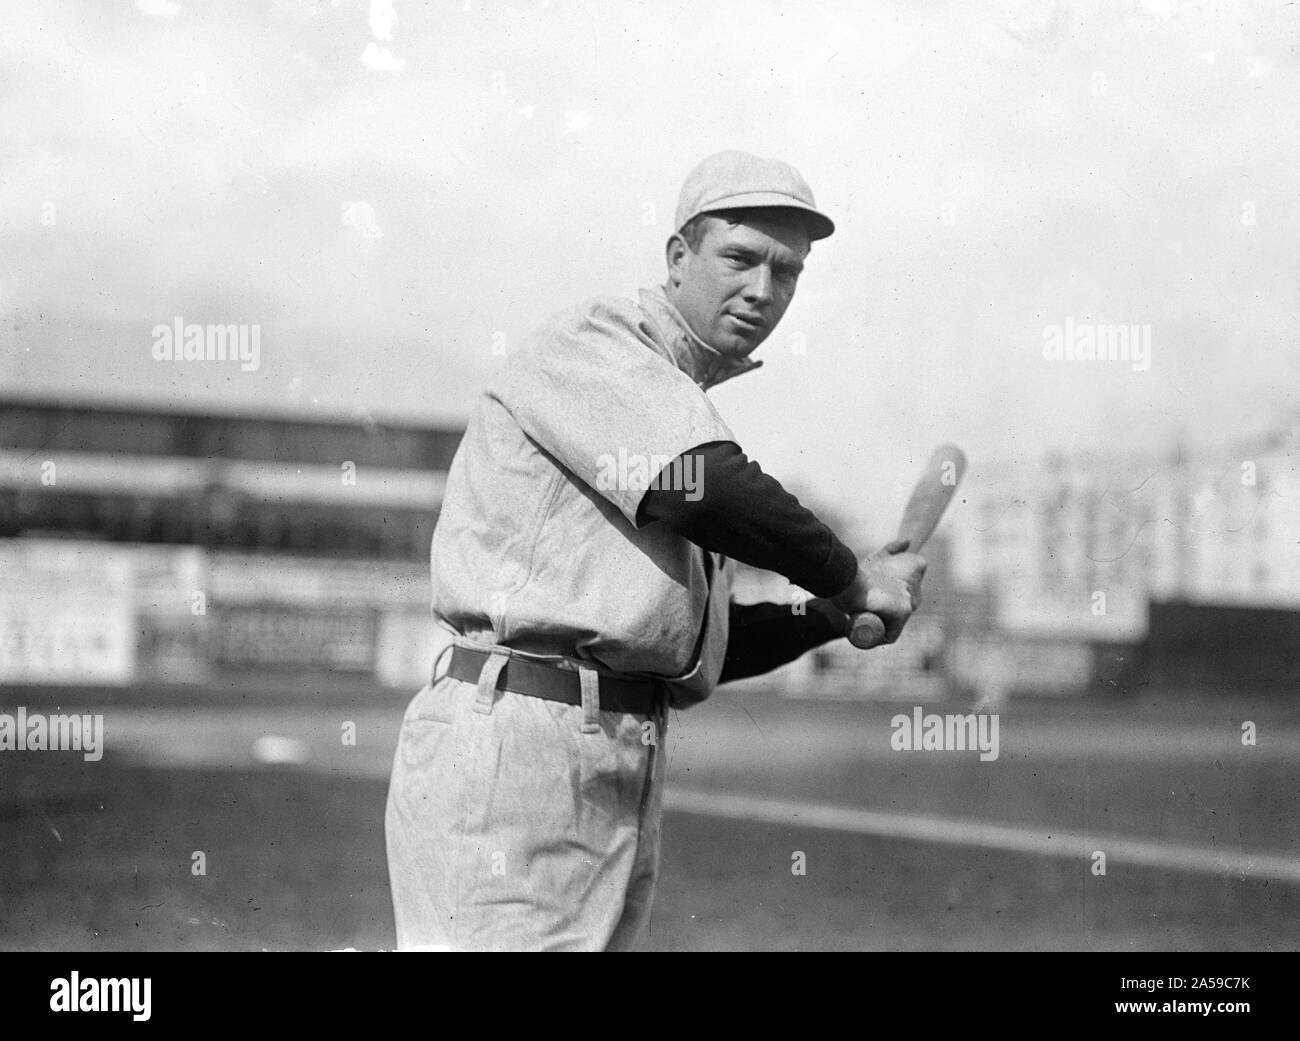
<point>582,566</point>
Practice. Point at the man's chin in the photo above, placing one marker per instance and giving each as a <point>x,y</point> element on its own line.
<point>734,345</point>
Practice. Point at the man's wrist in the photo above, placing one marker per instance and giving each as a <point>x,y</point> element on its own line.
<point>852,595</point>
<point>839,621</point>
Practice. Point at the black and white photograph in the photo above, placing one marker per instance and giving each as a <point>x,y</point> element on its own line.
<point>613,475</point>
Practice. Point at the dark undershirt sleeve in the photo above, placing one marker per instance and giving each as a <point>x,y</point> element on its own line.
<point>746,515</point>
<point>741,512</point>
<point>766,636</point>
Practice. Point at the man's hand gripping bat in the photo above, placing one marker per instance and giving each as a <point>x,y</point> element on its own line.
<point>935,489</point>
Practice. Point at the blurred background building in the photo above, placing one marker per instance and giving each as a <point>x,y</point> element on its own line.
<point>146,546</point>
<point>1096,572</point>
<point>160,547</point>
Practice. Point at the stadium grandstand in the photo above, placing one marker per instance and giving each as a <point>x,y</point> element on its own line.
<point>220,481</point>
<point>149,546</point>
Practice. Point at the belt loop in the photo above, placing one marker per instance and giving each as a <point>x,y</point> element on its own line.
<point>487,682</point>
<point>589,681</point>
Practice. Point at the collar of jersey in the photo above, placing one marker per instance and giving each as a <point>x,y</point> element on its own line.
<point>687,351</point>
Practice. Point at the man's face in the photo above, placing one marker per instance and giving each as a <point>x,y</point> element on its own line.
<point>734,289</point>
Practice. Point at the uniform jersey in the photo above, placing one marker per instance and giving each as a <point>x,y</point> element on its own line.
<point>537,547</point>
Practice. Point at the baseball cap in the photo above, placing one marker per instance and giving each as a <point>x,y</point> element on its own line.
<point>736,180</point>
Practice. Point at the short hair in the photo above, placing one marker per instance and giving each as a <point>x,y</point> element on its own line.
<point>692,232</point>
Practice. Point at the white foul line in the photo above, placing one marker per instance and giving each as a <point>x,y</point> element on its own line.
<point>1018,839</point>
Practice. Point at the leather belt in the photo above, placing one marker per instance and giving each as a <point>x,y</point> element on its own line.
<point>552,683</point>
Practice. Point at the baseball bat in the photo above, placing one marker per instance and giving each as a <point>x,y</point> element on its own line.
<point>933,491</point>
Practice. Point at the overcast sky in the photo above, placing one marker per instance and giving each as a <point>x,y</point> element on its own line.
<point>390,190</point>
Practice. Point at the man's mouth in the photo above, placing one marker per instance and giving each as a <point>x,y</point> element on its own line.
<point>750,323</point>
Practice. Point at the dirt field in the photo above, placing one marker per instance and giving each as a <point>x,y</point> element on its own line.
<point>903,850</point>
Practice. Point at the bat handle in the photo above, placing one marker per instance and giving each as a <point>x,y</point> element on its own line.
<point>866,631</point>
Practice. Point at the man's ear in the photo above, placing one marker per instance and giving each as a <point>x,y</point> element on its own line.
<point>675,254</point>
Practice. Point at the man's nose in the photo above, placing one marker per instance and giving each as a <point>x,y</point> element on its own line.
<point>759,288</point>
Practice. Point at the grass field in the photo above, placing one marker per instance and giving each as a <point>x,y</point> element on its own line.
<point>98,856</point>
